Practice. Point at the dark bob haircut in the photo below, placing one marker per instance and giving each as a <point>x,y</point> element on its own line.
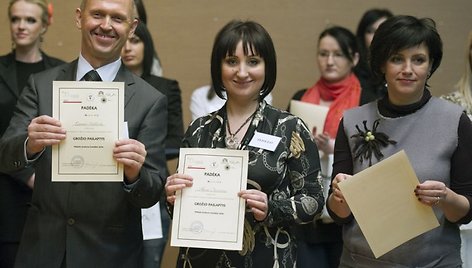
<point>256,40</point>
<point>143,33</point>
<point>402,32</point>
<point>345,38</point>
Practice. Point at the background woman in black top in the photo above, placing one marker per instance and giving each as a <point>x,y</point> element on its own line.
<point>368,24</point>
<point>29,21</point>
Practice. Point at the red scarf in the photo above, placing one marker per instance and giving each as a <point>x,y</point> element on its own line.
<point>344,94</point>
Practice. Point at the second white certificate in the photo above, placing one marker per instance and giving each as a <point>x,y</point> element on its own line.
<point>210,214</point>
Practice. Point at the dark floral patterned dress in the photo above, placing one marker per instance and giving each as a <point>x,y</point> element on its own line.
<point>289,177</point>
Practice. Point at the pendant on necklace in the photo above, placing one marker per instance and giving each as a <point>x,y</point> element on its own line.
<point>231,142</point>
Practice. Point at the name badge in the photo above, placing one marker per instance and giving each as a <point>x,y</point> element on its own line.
<point>265,141</point>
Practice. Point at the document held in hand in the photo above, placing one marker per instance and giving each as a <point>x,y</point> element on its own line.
<point>93,115</point>
<point>383,201</point>
<point>210,214</point>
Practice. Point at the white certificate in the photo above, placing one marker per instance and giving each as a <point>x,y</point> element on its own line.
<point>210,214</point>
<point>92,114</point>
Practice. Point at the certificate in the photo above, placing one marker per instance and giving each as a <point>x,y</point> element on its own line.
<point>210,214</point>
<point>92,114</point>
<point>382,200</point>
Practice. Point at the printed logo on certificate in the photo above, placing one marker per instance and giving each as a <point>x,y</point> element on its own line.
<point>210,214</point>
<point>93,115</point>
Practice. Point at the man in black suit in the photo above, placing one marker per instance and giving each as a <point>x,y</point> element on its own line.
<point>88,224</point>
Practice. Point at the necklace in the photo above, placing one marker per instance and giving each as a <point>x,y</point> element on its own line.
<point>231,141</point>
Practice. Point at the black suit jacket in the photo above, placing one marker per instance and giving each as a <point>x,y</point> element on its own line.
<point>175,127</point>
<point>14,194</point>
<point>91,224</point>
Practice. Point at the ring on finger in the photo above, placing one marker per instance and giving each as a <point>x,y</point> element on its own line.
<point>438,199</point>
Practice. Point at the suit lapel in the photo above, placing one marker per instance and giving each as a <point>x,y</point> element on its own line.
<point>67,72</point>
<point>126,76</point>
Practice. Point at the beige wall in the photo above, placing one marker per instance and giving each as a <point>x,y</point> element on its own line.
<point>183,32</point>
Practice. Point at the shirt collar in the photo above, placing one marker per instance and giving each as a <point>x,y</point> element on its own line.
<point>107,72</point>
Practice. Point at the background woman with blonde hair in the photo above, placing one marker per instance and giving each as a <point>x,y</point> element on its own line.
<point>29,21</point>
<point>463,94</point>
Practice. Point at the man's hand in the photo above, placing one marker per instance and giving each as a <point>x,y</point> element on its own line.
<point>43,131</point>
<point>131,153</point>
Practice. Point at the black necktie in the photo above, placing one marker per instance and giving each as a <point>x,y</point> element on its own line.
<point>92,75</point>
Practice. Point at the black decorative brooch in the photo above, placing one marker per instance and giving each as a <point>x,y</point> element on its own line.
<point>369,142</point>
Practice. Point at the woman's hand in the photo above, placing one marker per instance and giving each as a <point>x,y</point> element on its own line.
<point>336,200</point>
<point>436,193</point>
<point>257,202</point>
<point>174,183</point>
<point>324,143</point>
<point>336,192</point>
<point>431,192</point>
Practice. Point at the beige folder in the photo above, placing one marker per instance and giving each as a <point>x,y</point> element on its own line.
<point>383,201</point>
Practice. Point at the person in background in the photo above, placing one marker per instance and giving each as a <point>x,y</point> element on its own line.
<point>29,21</point>
<point>137,55</point>
<point>368,24</point>
<point>204,101</point>
<point>463,97</point>
<point>405,52</point>
<point>140,11</point>
<point>141,15</point>
<point>339,89</point>
<point>88,224</point>
<point>283,189</point>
